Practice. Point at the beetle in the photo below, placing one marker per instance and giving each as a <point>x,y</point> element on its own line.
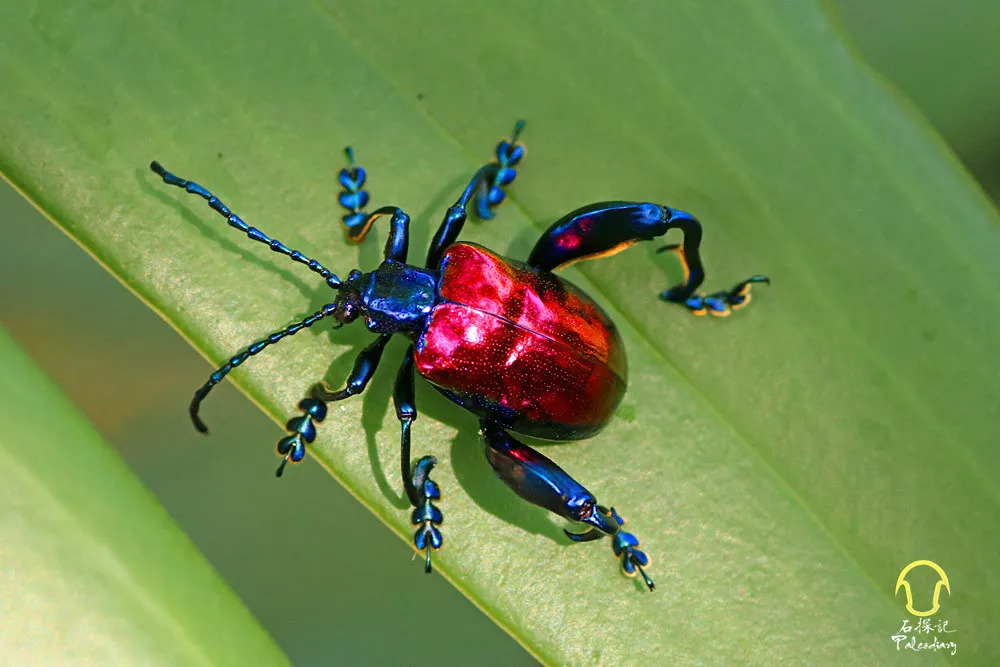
<point>520,347</point>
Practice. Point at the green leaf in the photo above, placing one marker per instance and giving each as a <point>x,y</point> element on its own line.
<point>783,465</point>
<point>92,569</point>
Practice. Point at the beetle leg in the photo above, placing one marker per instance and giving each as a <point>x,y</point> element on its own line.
<point>720,303</point>
<point>292,447</point>
<point>420,488</point>
<point>487,185</point>
<point>398,243</point>
<point>365,366</point>
<point>509,152</point>
<point>302,429</point>
<point>427,517</point>
<point>625,546</point>
<point>604,229</point>
<point>541,482</point>
<point>353,198</point>
<point>404,399</point>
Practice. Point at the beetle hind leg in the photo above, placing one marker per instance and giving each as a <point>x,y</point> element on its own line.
<point>541,482</point>
<point>720,303</point>
<point>625,546</point>
<point>606,228</point>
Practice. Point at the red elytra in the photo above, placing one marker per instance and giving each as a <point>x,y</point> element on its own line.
<point>521,346</point>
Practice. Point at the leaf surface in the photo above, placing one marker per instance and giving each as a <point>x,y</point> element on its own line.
<point>780,467</point>
<point>92,569</point>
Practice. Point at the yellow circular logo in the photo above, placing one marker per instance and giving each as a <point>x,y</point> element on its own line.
<point>942,582</point>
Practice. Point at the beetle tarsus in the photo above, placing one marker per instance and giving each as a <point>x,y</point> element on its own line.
<point>490,192</point>
<point>720,303</point>
<point>281,467</point>
<point>649,582</point>
<point>426,516</point>
<point>301,430</point>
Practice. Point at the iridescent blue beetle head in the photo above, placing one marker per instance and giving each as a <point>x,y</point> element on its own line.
<point>394,298</point>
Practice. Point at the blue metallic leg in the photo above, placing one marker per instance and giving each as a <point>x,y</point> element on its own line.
<point>398,243</point>
<point>720,303</point>
<point>358,223</point>
<point>237,359</point>
<point>509,153</point>
<point>606,228</point>
<point>292,447</point>
<point>541,482</point>
<point>303,429</point>
<point>625,546</point>
<point>427,517</point>
<point>404,399</point>
<point>364,368</point>
<point>420,489</point>
<point>234,221</point>
<point>455,218</point>
<point>485,183</point>
<point>353,197</point>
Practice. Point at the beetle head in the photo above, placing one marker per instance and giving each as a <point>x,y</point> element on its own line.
<point>348,305</point>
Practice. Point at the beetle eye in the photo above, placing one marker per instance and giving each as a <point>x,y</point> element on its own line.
<point>346,313</point>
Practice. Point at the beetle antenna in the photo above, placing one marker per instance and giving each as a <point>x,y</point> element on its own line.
<point>237,359</point>
<point>235,222</point>
<point>427,560</point>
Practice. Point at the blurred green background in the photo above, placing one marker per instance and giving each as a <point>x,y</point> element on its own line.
<point>133,377</point>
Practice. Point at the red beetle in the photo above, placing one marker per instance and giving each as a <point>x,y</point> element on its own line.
<point>523,349</point>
